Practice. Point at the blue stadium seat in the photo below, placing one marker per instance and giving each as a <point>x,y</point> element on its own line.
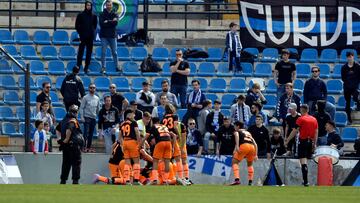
<point>102,83</point>
<point>247,69</point>
<point>98,52</point>
<point>12,98</point>
<point>337,71</point>
<point>166,69</point>
<point>67,53</point>
<point>217,85</point>
<point>5,37</point>
<point>211,96</point>
<point>181,113</point>
<point>263,70</point>
<point>59,81</point>
<point>74,38</point>
<point>349,134</point>
<point>253,51</point>
<point>59,113</point>
<point>86,81</point>
<point>130,96</point>
<point>215,54</point>
<point>303,70</point>
<point>37,68</point>
<point>21,82</point>
<point>160,54</point>
<point>41,37</point>
<point>156,84</point>
<point>328,56</point>
<point>6,114</point>
<point>60,37</point>
<point>20,113</point>
<point>270,55</point>
<point>271,102</point>
<point>334,86</point>
<point>22,37</point>
<point>193,69</point>
<point>298,86</point>
<point>237,85</point>
<point>324,70</point>
<point>33,96</point>
<point>341,103</point>
<point>227,100</point>
<point>28,52</point>
<point>111,69</point>
<point>56,67</point>
<point>11,49</point>
<point>309,55</point>
<point>123,54</point>
<point>293,51</point>
<point>136,84</point>
<point>9,129</point>
<point>5,67</point>
<point>8,82</point>
<point>206,69</point>
<point>223,70</point>
<point>41,79</point>
<point>340,119</point>
<point>226,112</point>
<point>331,99</point>
<point>49,53</point>
<point>271,87</point>
<point>55,99</point>
<point>122,84</point>
<point>131,69</point>
<point>203,84</point>
<point>343,55</point>
<point>138,53</point>
<point>94,68</point>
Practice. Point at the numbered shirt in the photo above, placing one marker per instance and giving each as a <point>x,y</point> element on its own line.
<point>169,122</point>
<point>128,129</point>
<point>116,154</point>
<point>161,133</point>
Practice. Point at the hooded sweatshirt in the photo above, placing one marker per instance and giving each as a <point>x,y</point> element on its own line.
<point>86,23</point>
<point>322,117</point>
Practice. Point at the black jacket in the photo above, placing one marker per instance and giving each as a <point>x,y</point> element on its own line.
<point>71,86</point>
<point>350,77</point>
<point>108,29</point>
<point>85,24</point>
<point>314,89</point>
<point>209,122</point>
<point>334,138</point>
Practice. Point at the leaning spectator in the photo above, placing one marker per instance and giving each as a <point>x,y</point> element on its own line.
<point>44,113</point>
<point>180,70</point>
<point>225,138</point>
<point>89,109</point>
<point>138,113</point>
<point>71,87</point>
<point>261,136</point>
<point>170,96</point>
<point>255,111</point>
<point>194,101</point>
<point>214,120</point>
<point>333,138</point>
<point>322,118</point>
<point>118,100</point>
<point>39,140</point>
<point>240,111</point>
<point>194,142</point>
<point>159,111</point>
<point>285,72</point>
<point>201,119</point>
<point>145,98</point>
<point>277,142</point>
<point>289,97</point>
<point>254,95</point>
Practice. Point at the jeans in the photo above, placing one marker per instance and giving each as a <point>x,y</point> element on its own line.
<point>88,43</point>
<point>180,90</point>
<point>89,127</point>
<point>113,46</point>
<point>108,140</point>
<point>232,56</point>
<point>280,91</point>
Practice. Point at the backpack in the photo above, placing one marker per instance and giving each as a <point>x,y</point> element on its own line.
<point>149,65</point>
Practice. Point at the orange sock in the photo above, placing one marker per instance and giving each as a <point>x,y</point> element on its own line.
<point>179,169</point>
<point>136,171</point>
<point>166,176</point>
<point>235,168</point>
<point>250,172</point>
<point>118,181</point>
<point>127,172</point>
<point>155,175</point>
<point>186,170</point>
<point>103,179</point>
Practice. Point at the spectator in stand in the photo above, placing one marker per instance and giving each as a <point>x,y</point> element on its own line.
<point>201,119</point>
<point>48,135</point>
<point>44,114</point>
<point>108,122</point>
<point>145,98</point>
<point>108,21</point>
<point>233,47</point>
<point>194,141</point>
<point>255,111</point>
<point>254,95</point>
<point>261,136</point>
<point>350,75</point>
<point>285,72</point>
<point>333,138</point>
<point>290,124</point>
<point>44,96</point>
<point>119,101</point>
<point>194,101</point>
<point>71,87</point>
<point>277,142</point>
<point>159,111</point>
<point>170,96</point>
<point>39,140</point>
<point>180,71</point>
<point>85,25</point>
<point>89,109</point>
<point>138,113</point>
<point>283,104</point>
<point>225,138</point>
<point>314,90</point>
<point>214,120</point>
<point>322,118</point>
<point>240,111</point>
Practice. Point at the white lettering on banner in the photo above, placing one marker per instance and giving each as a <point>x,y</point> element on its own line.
<point>339,25</point>
<point>349,24</point>
<point>196,164</point>
<point>298,30</point>
<point>259,7</point>
<point>269,24</point>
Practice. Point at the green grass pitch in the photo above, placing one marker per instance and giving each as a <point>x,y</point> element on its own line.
<point>174,194</point>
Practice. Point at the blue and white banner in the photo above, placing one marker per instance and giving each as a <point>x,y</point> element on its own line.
<point>219,166</point>
<point>300,23</point>
<point>9,170</point>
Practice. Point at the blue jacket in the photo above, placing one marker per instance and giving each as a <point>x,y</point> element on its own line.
<point>314,89</point>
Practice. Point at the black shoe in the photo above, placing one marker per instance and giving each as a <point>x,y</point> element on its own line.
<point>250,183</point>
<point>63,182</point>
<point>103,70</point>
<point>75,182</point>
<point>118,70</point>
<point>306,184</point>
<point>86,70</point>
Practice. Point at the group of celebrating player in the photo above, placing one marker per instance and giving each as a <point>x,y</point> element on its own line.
<point>158,145</point>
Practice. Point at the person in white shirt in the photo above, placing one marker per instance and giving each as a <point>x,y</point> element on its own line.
<point>145,98</point>
<point>240,111</point>
<point>159,111</point>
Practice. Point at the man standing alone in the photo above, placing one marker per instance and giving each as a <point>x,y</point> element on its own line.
<point>180,71</point>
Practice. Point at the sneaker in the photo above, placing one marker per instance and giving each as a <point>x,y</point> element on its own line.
<point>187,181</point>
<point>95,178</point>
<point>86,70</point>
<point>154,182</point>
<point>180,182</point>
<point>250,183</point>
<point>147,181</point>
<point>128,183</point>
<point>306,184</point>
<point>236,182</point>
<point>165,183</point>
<point>103,70</point>
<point>137,183</point>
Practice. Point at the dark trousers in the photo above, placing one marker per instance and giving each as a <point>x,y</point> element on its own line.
<point>232,57</point>
<point>180,90</point>
<point>89,127</point>
<point>347,94</point>
<point>88,43</point>
<point>71,159</point>
<point>68,104</point>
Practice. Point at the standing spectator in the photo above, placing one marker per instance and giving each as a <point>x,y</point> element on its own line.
<point>333,138</point>
<point>255,111</point>
<point>314,90</point>
<point>307,127</point>
<point>71,86</point>
<point>284,101</point>
<point>145,98</point>
<point>214,120</point>
<point>85,25</point>
<point>48,135</point>
<point>165,91</point>
<point>225,138</point>
<point>322,118</point>
<point>194,101</point>
<point>44,114</point>
<point>194,142</point>
<point>108,122</point>
<point>350,75</point>
<point>233,47</point>
<point>159,111</point>
<point>201,119</point>
<point>261,136</point>
<point>240,111</point>
<point>119,101</point>
<point>39,141</point>
<point>290,124</point>
<point>254,95</point>
<point>285,72</point>
<point>89,109</point>
<point>180,71</point>
<point>277,142</point>
<point>138,113</point>
<point>44,96</point>
<point>108,20</point>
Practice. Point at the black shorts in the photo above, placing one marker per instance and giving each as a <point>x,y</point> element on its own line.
<point>305,149</point>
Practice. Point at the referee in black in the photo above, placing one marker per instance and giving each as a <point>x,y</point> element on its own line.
<point>307,127</point>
